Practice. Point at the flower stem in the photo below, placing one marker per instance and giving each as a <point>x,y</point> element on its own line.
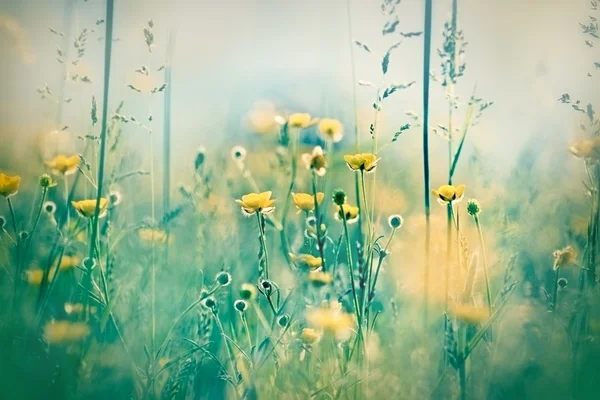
<point>351,271</point>
<point>555,293</point>
<point>485,266</point>
<point>14,218</point>
<point>66,193</point>
<point>263,242</point>
<point>318,219</point>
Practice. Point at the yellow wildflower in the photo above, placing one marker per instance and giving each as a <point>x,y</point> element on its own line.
<point>157,236</point>
<point>299,120</point>
<point>316,161</point>
<point>256,202</point>
<point>331,129</point>
<point>564,257</point>
<point>349,212</point>
<point>586,148</point>
<point>320,278</point>
<point>307,261</point>
<point>470,314</point>
<point>63,165</point>
<point>34,276</point>
<point>77,308</point>
<point>68,262</point>
<point>57,332</point>
<point>86,208</point>
<point>449,193</point>
<point>331,320</point>
<point>305,201</point>
<point>310,336</point>
<point>9,185</point>
<point>362,162</point>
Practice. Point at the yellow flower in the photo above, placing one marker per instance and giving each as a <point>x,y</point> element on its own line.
<point>349,212</point>
<point>310,336</point>
<point>320,278</point>
<point>157,236</point>
<point>564,257</point>
<point>586,148</point>
<point>449,193</point>
<point>470,314</point>
<point>307,261</point>
<point>86,208</point>
<point>362,162</point>
<point>299,120</point>
<point>9,185</point>
<point>68,262</point>
<point>316,161</point>
<point>63,165</point>
<point>252,203</point>
<point>34,276</point>
<point>57,332</point>
<point>77,308</point>
<point>331,320</point>
<point>331,129</point>
<point>305,201</point>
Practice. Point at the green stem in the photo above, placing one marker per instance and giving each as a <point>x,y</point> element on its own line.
<point>14,218</point>
<point>263,242</point>
<point>66,193</point>
<point>555,292</point>
<point>351,271</point>
<point>485,265</point>
<point>229,352</point>
<point>318,220</point>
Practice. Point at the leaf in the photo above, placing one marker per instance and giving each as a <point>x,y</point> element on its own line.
<point>108,310</point>
<point>411,34</point>
<point>390,26</point>
<point>130,86</point>
<point>362,46</point>
<point>396,86</point>
<point>400,130</point>
<point>385,62</point>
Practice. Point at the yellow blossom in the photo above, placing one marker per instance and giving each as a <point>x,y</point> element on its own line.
<point>307,261</point>
<point>63,165</point>
<point>331,129</point>
<point>305,201</point>
<point>470,314</point>
<point>86,208</point>
<point>316,161</point>
<point>564,257</point>
<point>68,262</point>
<point>349,212</point>
<point>331,320</point>
<point>449,193</point>
<point>77,308</point>
<point>361,162</point>
<point>256,202</point>
<point>320,278</point>
<point>57,332</point>
<point>310,336</point>
<point>34,276</point>
<point>157,236</point>
<point>586,148</point>
<point>299,120</point>
<point>9,185</point>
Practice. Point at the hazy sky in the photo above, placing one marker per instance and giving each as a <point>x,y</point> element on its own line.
<point>522,54</point>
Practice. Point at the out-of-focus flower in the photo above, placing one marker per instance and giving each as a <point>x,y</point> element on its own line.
<point>68,262</point>
<point>299,120</point>
<point>46,181</point>
<point>305,201</point>
<point>86,208</point>
<point>58,332</point>
<point>154,235</point>
<point>310,336</point>
<point>238,153</point>
<point>316,161</point>
<point>77,308</point>
<point>366,162</point>
<point>350,213</point>
<point>331,129</point>
<point>63,165</point>
<point>261,118</point>
<point>252,203</point>
<point>470,314</point>
<point>311,228</point>
<point>307,261</point>
<point>449,193</point>
<point>586,148</point>
<point>320,278</point>
<point>331,320</point>
<point>9,185</point>
<point>115,198</point>
<point>248,291</point>
<point>564,257</point>
<point>34,276</point>
<point>562,283</point>
<point>49,207</point>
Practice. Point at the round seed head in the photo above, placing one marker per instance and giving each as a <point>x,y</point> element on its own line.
<point>223,278</point>
<point>240,305</point>
<point>339,197</point>
<point>395,221</point>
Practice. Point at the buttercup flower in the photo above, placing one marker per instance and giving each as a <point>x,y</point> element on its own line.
<point>155,235</point>
<point>86,208</point>
<point>310,336</point>
<point>366,162</point>
<point>34,276</point>
<point>299,120</point>
<point>320,278</point>
<point>564,257</point>
<point>9,185</point>
<point>305,201</point>
<point>57,332</point>
<point>316,161</point>
<point>586,148</point>
<point>248,291</point>
<point>449,193</point>
<point>349,212</point>
<point>331,320</point>
<point>68,262</point>
<point>331,129</point>
<point>256,202</point>
<point>470,314</point>
<point>307,261</point>
<point>63,165</point>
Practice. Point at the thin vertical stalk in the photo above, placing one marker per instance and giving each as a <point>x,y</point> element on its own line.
<point>318,219</point>
<point>485,265</point>
<point>427,200</point>
<point>263,241</point>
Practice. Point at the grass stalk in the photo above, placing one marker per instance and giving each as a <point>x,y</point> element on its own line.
<point>488,291</point>
<point>320,241</point>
